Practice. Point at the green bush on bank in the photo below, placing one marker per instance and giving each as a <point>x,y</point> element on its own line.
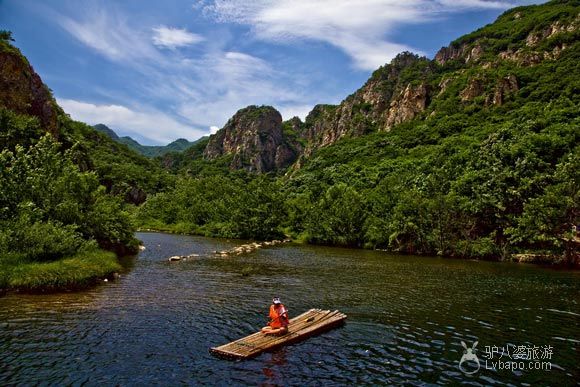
<point>221,206</point>
<point>53,217</point>
<point>49,208</point>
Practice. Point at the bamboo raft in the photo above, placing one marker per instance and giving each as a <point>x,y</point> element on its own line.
<point>299,328</point>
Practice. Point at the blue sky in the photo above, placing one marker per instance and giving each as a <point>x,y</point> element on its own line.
<point>162,70</point>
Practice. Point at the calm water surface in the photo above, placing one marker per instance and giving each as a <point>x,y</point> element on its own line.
<point>407,317</point>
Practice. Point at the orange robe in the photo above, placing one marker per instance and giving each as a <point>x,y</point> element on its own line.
<point>279,316</point>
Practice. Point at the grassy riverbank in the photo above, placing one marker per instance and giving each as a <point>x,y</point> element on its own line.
<point>74,272</point>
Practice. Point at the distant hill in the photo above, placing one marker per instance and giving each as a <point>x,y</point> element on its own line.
<point>108,131</point>
<point>178,145</point>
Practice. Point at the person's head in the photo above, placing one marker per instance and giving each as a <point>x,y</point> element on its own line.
<point>276,301</point>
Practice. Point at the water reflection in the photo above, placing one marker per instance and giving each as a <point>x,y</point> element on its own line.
<point>271,369</point>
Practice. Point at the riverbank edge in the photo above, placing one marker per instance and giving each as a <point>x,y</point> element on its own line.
<point>541,259</point>
<point>77,272</point>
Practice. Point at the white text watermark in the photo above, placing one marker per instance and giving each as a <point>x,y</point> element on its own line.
<point>509,357</point>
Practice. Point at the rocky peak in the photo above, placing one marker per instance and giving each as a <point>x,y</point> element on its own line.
<point>255,139</point>
<point>384,100</point>
<point>445,54</point>
<point>22,90</point>
<point>464,52</point>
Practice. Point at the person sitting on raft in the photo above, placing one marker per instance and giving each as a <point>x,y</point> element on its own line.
<point>278,324</point>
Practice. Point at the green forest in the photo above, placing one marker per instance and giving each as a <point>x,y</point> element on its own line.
<point>464,178</point>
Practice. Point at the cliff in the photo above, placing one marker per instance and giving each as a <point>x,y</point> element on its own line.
<point>21,89</point>
<point>486,69</point>
<point>254,139</point>
<point>28,111</point>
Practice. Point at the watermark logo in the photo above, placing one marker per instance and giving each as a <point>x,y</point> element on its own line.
<point>469,356</point>
<point>519,357</point>
<point>509,357</point>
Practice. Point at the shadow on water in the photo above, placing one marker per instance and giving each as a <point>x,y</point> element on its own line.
<point>407,318</point>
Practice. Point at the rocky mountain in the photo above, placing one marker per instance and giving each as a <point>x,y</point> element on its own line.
<point>178,145</point>
<point>255,140</point>
<point>21,89</point>
<point>28,111</point>
<point>485,69</point>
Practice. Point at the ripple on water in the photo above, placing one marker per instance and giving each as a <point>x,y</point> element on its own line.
<point>407,318</point>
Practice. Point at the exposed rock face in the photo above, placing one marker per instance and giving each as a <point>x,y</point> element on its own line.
<point>321,126</point>
<point>504,87</point>
<point>404,89</point>
<point>525,57</point>
<point>474,54</point>
<point>407,105</point>
<point>445,54</point>
<point>444,84</point>
<point>465,53</point>
<point>534,38</point>
<point>255,138</point>
<point>382,102</point>
<point>475,88</point>
<point>22,91</point>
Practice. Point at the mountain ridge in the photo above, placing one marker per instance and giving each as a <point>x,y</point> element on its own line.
<point>151,151</point>
<point>417,88</point>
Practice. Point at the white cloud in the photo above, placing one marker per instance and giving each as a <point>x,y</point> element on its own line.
<point>109,34</point>
<point>220,83</point>
<point>213,129</point>
<point>153,125</point>
<point>359,28</point>
<point>169,37</point>
<point>204,91</point>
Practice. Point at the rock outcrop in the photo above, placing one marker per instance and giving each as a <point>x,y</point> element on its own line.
<point>530,55</point>
<point>475,88</point>
<point>444,84</point>
<point>504,87</point>
<point>407,105</point>
<point>22,90</point>
<point>255,139</point>
<point>479,86</point>
<point>557,27</point>
<point>384,101</point>
<point>466,53</point>
<point>409,88</point>
<point>445,54</point>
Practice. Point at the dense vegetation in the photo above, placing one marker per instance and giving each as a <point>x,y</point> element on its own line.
<point>225,205</point>
<point>64,197</point>
<point>466,178</point>
<point>50,210</point>
<point>502,184</point>
<point>471,194</point>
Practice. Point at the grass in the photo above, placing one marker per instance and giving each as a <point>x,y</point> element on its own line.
<point>78,271</point>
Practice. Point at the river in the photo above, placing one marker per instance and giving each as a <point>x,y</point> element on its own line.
<point>407,317</point>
